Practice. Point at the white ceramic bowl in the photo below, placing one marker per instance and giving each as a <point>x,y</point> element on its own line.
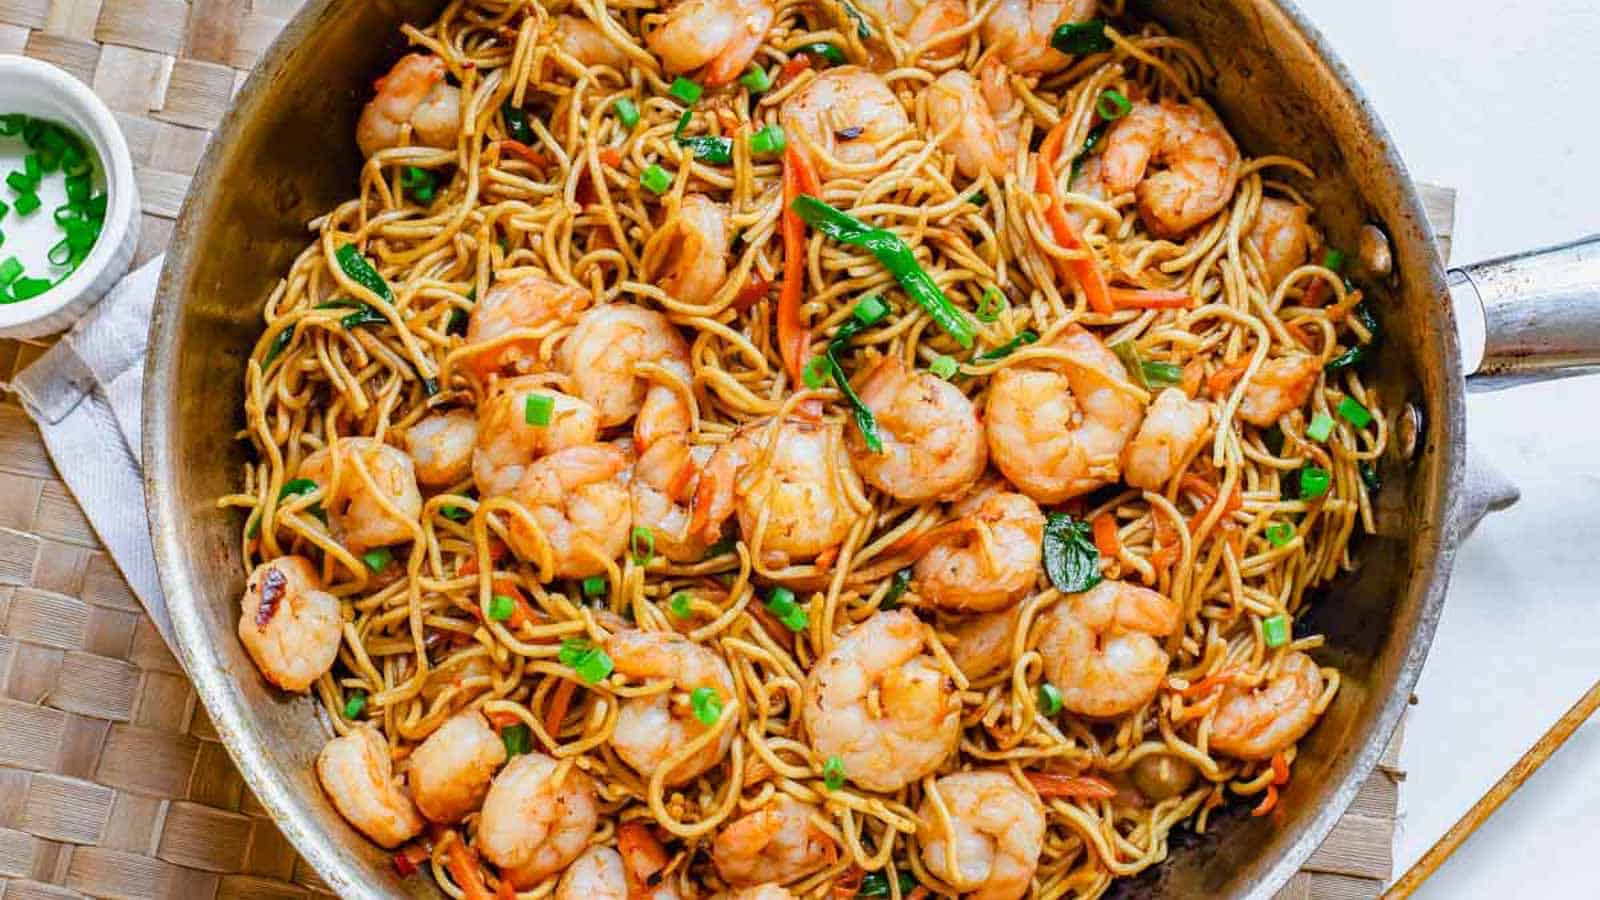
<point>44,91</point>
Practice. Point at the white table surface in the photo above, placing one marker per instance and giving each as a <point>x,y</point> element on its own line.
<point>1497,100</point>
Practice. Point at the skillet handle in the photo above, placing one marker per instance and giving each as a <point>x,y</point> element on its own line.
<point>1540,314</point>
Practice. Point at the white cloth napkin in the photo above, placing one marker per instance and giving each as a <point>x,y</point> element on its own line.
<point>84,393</point>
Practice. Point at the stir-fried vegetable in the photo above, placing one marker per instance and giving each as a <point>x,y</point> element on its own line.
<point>1078,38</point>
<point>1070,557</point>
<point>357,269</point>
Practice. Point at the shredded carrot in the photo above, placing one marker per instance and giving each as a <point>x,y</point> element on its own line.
<point>917,893</point>
<point>520,610</point>
<point>1210,683</point>
<point>1218,382</point>
<point>1105,536</point>
<point>1229,507</point>
<point>503,720</point>
<point>463,866</point>
<point>1142,298</point>
<point>1316,295</point>
<point>505,890</point>
<point>1085,271</point>
<point>1195,484</point>
<point>559,701</point>
<point>408,858</point>
<point>1280,768</point>
<point>793,339</point>
<point>752,293</point>
<point>791,70</point>
<point>1167,545</point>
<point>1193,374</point>
<point>1072,787</point>
<point>848,883</point>
<point>532,156</point>
<point>1268,803</point>
<point>497,552</point>
<point>611,156</point>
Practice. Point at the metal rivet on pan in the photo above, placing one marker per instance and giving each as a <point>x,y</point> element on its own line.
<point>1408,431</point>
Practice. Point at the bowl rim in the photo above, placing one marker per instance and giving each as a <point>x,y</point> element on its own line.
<point>52,83</point>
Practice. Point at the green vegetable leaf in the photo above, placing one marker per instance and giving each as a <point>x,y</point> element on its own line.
<point>1079,38</point>
<point>1070,557</point>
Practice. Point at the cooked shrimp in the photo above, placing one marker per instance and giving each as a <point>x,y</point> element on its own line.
<point>441,447</point>
<point>722,35</point>
<point>579,498</point>
<point>1022,30</point>
<point>933,447</point>
<point>663,483</point>
<point>603,355</point>
<point>759,892</point>
<point>983,641</point>
<point>1102,648</point>
<point>356,772</point>
<point>882,705</point>
<point>976,571</point>
<point>586,42</point>
<point>845,113</point>
<point>537,818</point>
<point>798,497</point>
<point>1255,723</point>
<point>1282,384</point>
<point>373,479</point>
<point>414,94</point>
<point>527,302</point>
<point>997,828</point>
<point>1173,427</point>
<point>1200,160</point>
<point>1056,428</point>
<point>450,771</point>
<point>653,728</point>
<point>289,625</point>
<point>923,22</point>
<point>1280,235</point>
<point>596,875</point>
<point>508,443</point>
<point>777,842</point>
<point>987,117</point>
<point>688,255</point>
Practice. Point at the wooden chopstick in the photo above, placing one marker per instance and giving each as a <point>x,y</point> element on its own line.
<point>1485,807</point>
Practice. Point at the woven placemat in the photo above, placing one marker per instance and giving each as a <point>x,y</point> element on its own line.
<point>112,780</point>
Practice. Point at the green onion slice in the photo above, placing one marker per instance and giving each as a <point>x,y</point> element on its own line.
<point>627,112</point>
<point>1354,413</point>
<point>679,604</point>
<point>757,80</point>
<point>1279,534</point>
<point>1333,259</point>
<point>1275,631</point>
<point>1112,105</point>
<point>517,738</point>
<point>26,203</point>
<point>1049,699</point>
<point>833,773</point>
<point>377,560</point>
<point>590,662</point>
<point>992,304</point>
<point>11,268</point>
<point>791,614</point>
<point>768,140</point>
<point>897,589</point>
<point>1320,428</point>
<point>1078,38</point>
<point>944,367</point>
<point>822,49</point>
<point>707,704</point>
<point>1314,482</point>
<point>517,127</point>
<point>1160,374</point>
<point>642,544</point>
<point>865,420</point>
<point>685,90</point>
<point>354,704</point>
<point>894,255</point>
<point>536,409</point>
<point>1024,337</point>
<point>1369,476</point>
<point>595,586</point>
<point>870,310</point>
<point>876,884</point>
<point>655,179</point>
<point>815,374</point>
<point>501,607</point>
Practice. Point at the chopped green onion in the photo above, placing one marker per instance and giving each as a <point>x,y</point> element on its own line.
<point>379,559</point>
<point>833,773</point>
<point>1354,413</point>
<point>627,112</point>
<point>978,199</point>
<point>28,288</point>
<point>1026,336</point>
<point>61,253</point>
<point>722,547</point>
<point>1089,143</point>
<point>595,586</point>
<point>757,80</point>
<point>517,738</point>
<point>11,268</point>
<point>876,884</point>
<point>827,51</point>
<point>78,189</point>
<point>1049,699</point>
<point>21,183</point>
<point>992,304</point>
<point>4,208</point>
<point>1112,105</point>
<point>768,140</point>
<point>537,408</point>
<point>685,90</point>
<point>357,269</point>
<point>590,662</point>
<point>1314,482</point>
<point>501,607</point>
<point>894,255</point>
<point>1279,534</point>
<point>679,604</point>
<point>866,422</point>
<point>419,183</point>
<point>1357,354</point>
<point>26,203</point>
<point>11,124</point>
<point>897,589</point>
<point>655,179</point>
<point>1275,631</point>
<point>1369,476</point>
<point>355,704</point>
<point>1333,259</point>
<point>1078,38</point>
<point>707,148</point>
<point>1161,374</point>
<point>365,314</point>
<point>944,367</point>
<point>642,544</point>
<point>517,126</point>
<point>862,31</point>
<point>34,167</point>
<point>815,374</point>
<point>1071,559</point>
<point>707,704</point>
<point>870,310</point>
<point>455,513</point>
<point>790,613</point>
<point>1321,426</point>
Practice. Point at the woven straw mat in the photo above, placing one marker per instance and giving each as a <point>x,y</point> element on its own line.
<point>112,780</point>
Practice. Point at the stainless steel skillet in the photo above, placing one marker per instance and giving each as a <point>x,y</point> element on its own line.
<point>285,154</point>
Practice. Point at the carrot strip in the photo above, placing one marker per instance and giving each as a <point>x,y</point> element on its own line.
<point>793,339</point>
<point>1198,485</point>
<point>463,866</point>
<point>1218,382</point>
<point>752,293</point>
<point>505,890</point>
<point>1085,271</point>
<point>497,552</point>
<point>1167,545</point>
<point>520,610</point>
<point>791,70</point>
<point>848,883</point>
<point>1316,295</point>
<point>917,893</point>
<point>1210,683</point>
<point>1268,803</point>
<point>1193,374</point>
<point>1142,298</point>
<point>527,153</point>
<point>611,156</point>
<point>1229,506</point>
<point>1280,768</point>
<point>1105,536</point>
<point>558,706</point>
<point>502,720</point>
<point>1072,787</point>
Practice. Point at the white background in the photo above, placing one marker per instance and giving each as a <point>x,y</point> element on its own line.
<point>1499,101</point>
